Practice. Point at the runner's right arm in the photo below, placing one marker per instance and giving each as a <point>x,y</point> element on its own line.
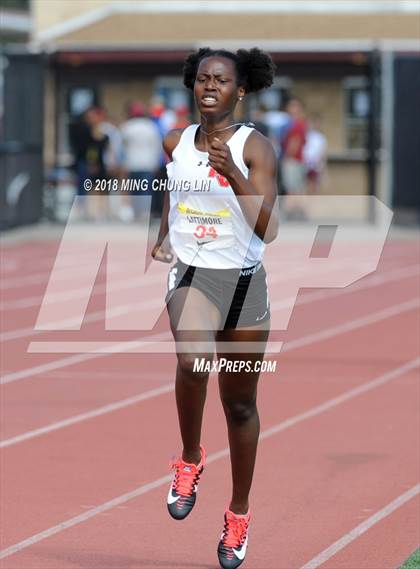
<point>162,251</point>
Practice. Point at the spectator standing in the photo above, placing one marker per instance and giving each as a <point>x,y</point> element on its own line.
<point>182,117</point>
<point>315,154</point>
<point>293,168</point>
<point>258,119</point>
<point>278,123</point>
<point>143,149</point>
<point>119,204</point>
<point>114,154</point>
<point>164,118</point>
<point>89,145</point>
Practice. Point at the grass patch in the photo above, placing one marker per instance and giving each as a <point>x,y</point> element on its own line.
<point>413,562</point>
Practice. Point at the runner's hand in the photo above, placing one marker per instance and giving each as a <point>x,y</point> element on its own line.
<point>162,252</point>
<point>220,157</point>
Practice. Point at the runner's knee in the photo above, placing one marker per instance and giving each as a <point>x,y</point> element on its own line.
<point>193,366</point>
<point>239,412</point>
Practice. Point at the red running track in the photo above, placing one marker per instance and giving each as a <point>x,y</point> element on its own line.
<point>339,442</point>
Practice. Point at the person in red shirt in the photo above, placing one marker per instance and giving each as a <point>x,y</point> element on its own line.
<point>182,117</point>
<point>293,168</point>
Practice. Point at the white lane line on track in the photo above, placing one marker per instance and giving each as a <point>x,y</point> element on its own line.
<point>354,392</point>
<point>64,273</point>
<point>64,362</point>
<point>145,347</point>
<point>30,268</point>
<point>362,528</point>
<point>101,288</point>
<point>69,269</point>
<point>288,423</point>
<point>35,301</point>
<point>130,346</point>
<point>293,345</point>
<point>110,408</point>
<point>122,309</point>
<point>370,282</point>
<point>361,322</point>
<point>136,377</point>
<point>305,340</point>
<point>43,277</point>
<point>9,266</point>
<point>95,316</point>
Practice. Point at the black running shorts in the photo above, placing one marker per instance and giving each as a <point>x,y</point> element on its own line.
<point>240,295</point>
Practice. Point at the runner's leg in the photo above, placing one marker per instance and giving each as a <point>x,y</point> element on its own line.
<point>238,393</point>
<point>194,320</point>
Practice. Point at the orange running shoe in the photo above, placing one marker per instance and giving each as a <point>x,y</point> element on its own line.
<point>234,540</point>
<point>183,491</point>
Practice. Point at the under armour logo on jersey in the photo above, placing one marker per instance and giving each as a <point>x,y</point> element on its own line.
<point>201,163</point>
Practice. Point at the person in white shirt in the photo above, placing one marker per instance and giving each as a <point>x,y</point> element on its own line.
<point>143,151</point>
<point>314,154</point>
<point>119,205</point>
<point>217,289</point>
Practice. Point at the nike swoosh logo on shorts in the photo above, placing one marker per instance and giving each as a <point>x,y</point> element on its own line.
<point>261,317</point>
<point>240,553</point>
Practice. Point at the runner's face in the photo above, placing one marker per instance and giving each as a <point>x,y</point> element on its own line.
<point>215,89</point>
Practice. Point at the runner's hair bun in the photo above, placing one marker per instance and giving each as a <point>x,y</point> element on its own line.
<point>254,67</point>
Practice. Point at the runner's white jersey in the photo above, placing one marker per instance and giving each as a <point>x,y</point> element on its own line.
<point>207,227</point>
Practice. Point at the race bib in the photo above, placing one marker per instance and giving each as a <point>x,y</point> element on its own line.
<point>210,230</point>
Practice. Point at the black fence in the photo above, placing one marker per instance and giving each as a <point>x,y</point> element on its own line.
<point>21,138</point>
<point>406,155</point>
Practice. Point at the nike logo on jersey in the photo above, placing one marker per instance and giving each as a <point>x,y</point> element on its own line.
<point>240,553</point>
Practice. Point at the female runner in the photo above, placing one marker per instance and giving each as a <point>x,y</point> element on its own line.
<point>217,289</point>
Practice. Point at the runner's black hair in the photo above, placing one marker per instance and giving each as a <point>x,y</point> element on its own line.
<point>255,68</point>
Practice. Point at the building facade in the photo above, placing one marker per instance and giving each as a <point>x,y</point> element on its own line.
<point>338,56</point>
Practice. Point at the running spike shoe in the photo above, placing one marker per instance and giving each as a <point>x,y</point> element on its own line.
<point>234,540</point>
<point>183,491</point>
